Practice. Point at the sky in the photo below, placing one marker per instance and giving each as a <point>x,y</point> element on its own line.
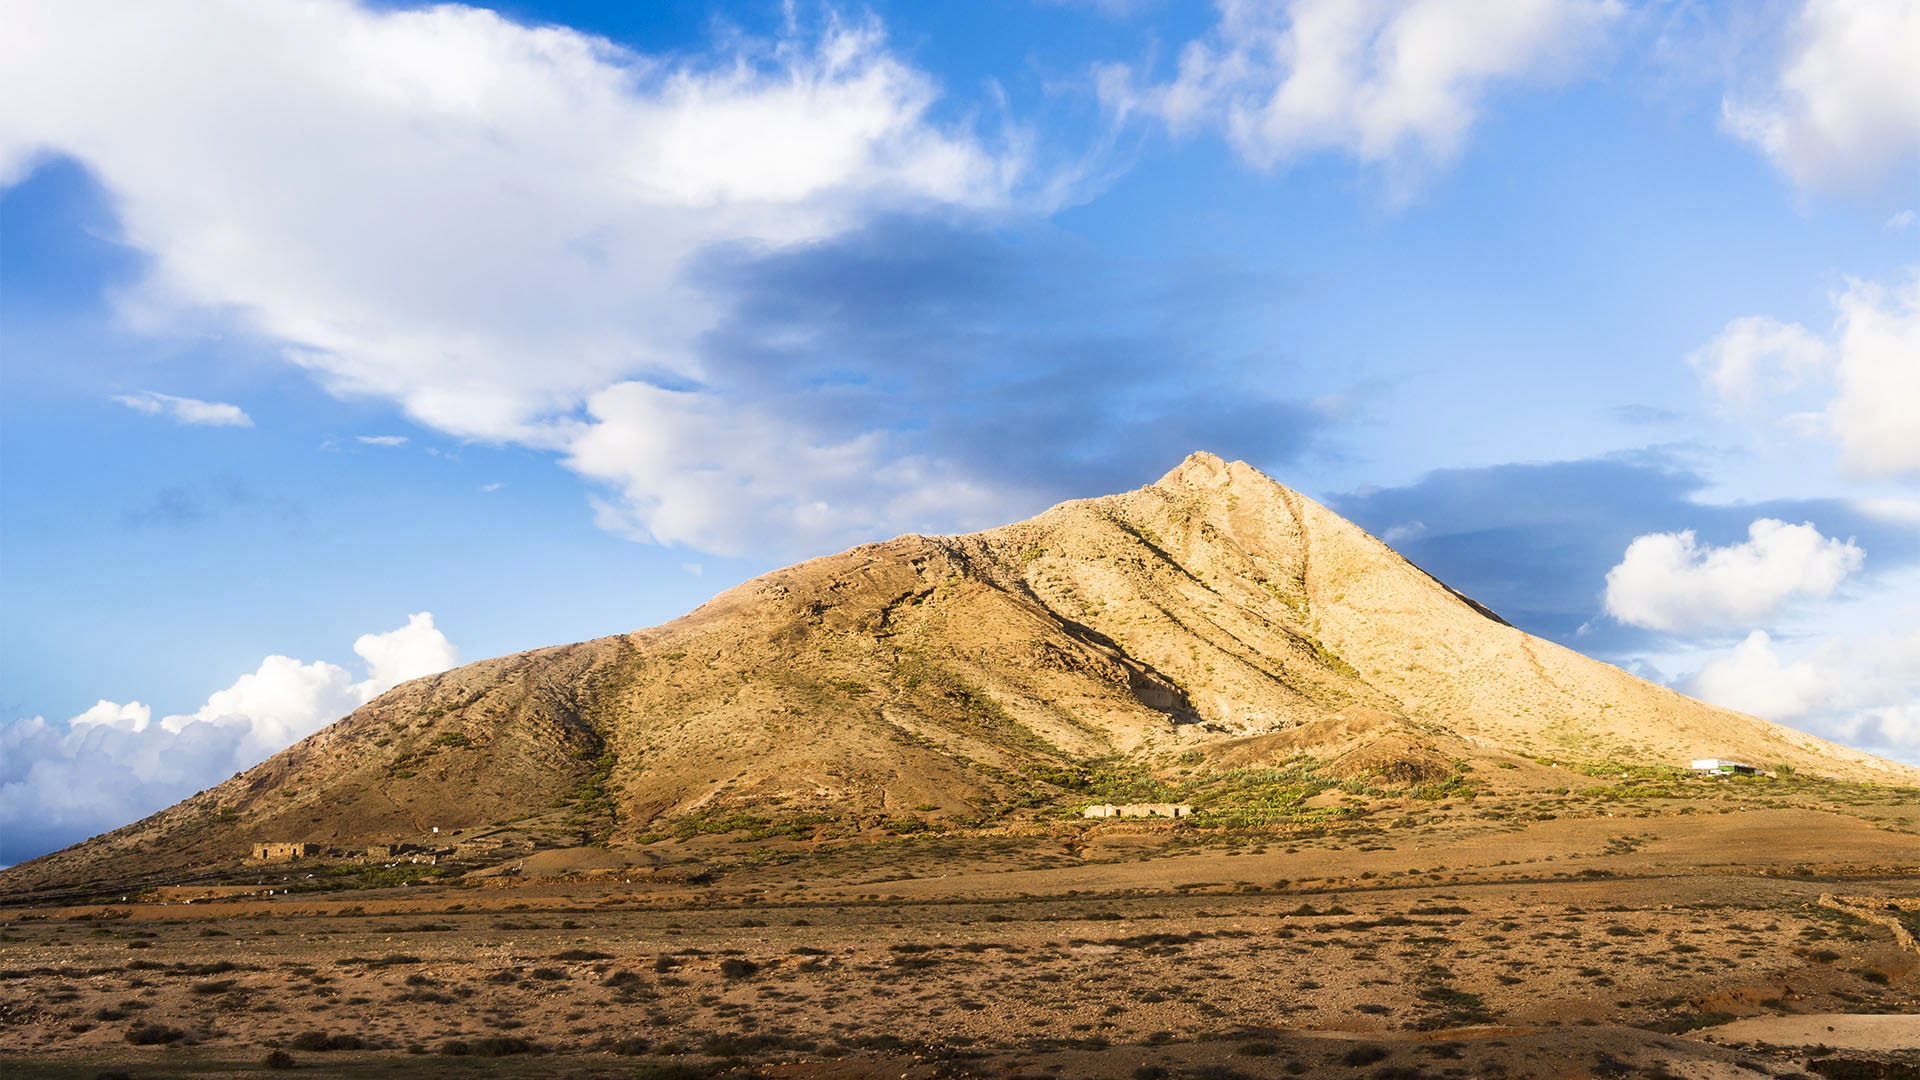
<point>342,342</point>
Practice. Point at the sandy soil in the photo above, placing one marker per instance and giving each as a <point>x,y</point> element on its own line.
<point>1840,1031</point>
<point>1455,944</point>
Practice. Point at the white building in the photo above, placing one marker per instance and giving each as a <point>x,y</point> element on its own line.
<point>1173,810</point>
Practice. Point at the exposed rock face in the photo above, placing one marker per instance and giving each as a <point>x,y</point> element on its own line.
<point>1215,610</point>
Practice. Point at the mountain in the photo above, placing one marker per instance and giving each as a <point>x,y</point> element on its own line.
<point>1214,624</point>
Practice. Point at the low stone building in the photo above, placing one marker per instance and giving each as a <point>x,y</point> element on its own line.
<point>1168,810</point>
<point>284,852</point>
<point>1722,767</point>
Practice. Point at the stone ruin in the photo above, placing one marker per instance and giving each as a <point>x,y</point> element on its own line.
<point>272,852</point>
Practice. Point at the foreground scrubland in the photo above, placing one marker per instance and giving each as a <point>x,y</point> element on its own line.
<point>1732,930</point>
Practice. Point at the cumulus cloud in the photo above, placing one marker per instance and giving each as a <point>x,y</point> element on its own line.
<point>186,410</point>
<point>1862,690</point>
<point>487,222</point>
<point>700,470</point>
<point>1843,110</point>
<point>1867,368</point>
<point>1672,583</point>
<point>114,763</point>
<point>1394,82</point>
<point>1876,373</point>
<point>416,649</point>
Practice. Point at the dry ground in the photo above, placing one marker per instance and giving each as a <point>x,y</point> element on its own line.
<point>1452,940</point>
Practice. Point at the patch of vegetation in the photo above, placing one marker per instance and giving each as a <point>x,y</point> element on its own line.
<point>389,960</point>
<point>491,1046</point>
<point>1230,798</point>
<point>1455,786</point>
<point>735,967</point>
<point>1632,791</point>
<point>321,1041</point>
<point>715,821</point>
<point>1327,657</point>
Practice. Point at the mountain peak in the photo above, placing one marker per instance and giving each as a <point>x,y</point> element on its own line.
<point>1200,469</point>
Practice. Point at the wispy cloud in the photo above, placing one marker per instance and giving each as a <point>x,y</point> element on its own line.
<point>382,440</point>
<point>1391,84</point>
<point>186,410</point>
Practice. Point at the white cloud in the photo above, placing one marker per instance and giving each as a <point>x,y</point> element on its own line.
<point>112,764</point>
<point>132,716</point>
<point>1394,82</point>
<point>486,222</point>
<point>1758,354</point>
<point>1869,365</point>
<point>1752,678</point>
<point>1670,582</point>
<point>1901,220</point>
<point>1406,530</point>
<point>490,488</point>
<point>1843,111</point>
<point>1877,377</point>
<point>410,652</point>
<point>1898,511</point>
<point>186,410</point>
<point>382,440</point>
<point>690,468</point>
<point>1862,690</point>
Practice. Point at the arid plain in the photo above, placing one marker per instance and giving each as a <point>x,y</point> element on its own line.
<point>1678,934</point>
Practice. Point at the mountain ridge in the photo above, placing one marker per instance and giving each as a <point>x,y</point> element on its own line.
<point>975,681</point>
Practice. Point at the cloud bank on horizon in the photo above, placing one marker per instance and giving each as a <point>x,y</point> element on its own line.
<point>115,764</point>
<point>790,279</point>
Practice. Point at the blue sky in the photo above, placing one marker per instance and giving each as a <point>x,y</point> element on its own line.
<point>343,342</point>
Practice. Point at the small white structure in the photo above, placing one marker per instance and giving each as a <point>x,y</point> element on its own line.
<point>1109,810</point>
<point>1724,768</point>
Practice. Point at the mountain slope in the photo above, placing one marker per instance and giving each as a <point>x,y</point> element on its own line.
<point>969,680</point>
